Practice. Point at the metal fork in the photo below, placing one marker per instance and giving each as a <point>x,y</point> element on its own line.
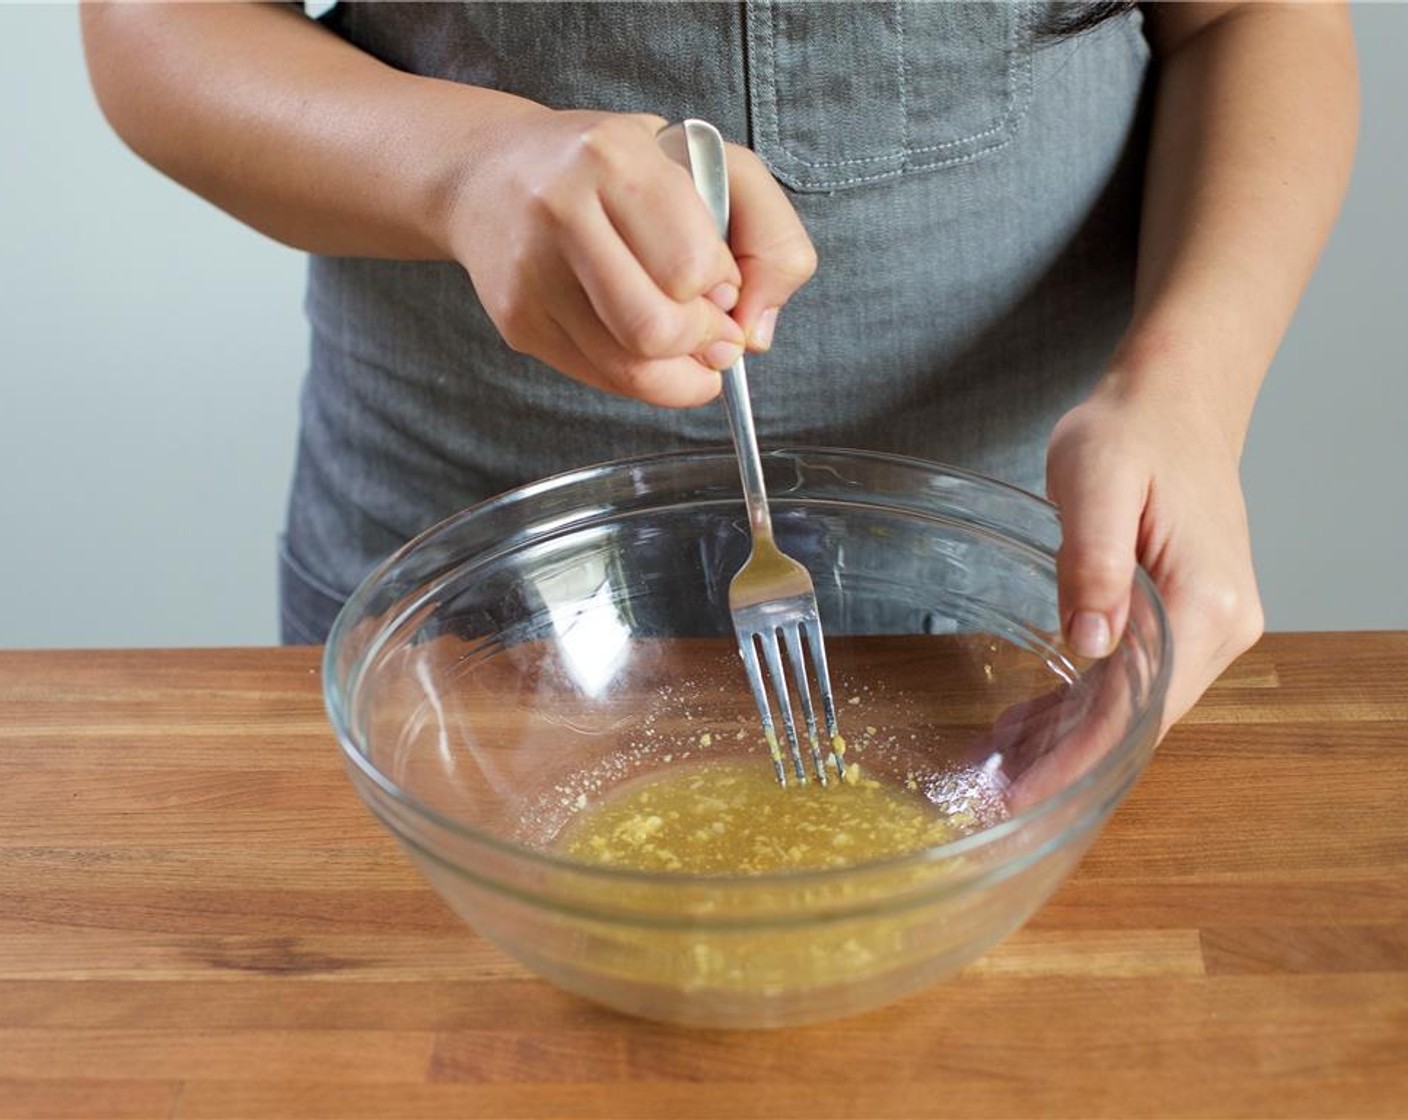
<point>772,594</point>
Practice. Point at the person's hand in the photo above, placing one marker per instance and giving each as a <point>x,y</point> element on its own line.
<point>591,251</point>
<point>1152,477</point>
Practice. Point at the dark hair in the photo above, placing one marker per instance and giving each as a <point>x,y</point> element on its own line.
<point>1073,17</point>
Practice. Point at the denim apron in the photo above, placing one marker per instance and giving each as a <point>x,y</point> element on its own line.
<point>971,186</point>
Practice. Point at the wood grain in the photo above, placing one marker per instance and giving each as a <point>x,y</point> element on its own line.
<point>199,919</point>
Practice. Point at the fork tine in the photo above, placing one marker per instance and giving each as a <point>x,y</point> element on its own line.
<point>773,656</point>
<point>760,700</point>
<point>823,684</point>
<point>799,675</point>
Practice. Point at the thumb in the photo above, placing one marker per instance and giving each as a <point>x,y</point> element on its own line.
<point>770,244</point>
<point>1100,515</point>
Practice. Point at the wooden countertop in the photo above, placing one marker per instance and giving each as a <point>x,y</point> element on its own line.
<point>199,919</point>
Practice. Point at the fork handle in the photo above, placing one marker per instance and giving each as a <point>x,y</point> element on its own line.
<point>745,444</point>
<point>697,147</point>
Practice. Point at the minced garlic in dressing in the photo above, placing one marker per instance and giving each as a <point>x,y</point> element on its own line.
<point>731,817</point>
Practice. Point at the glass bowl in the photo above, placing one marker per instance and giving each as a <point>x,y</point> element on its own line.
<point>522,659</point>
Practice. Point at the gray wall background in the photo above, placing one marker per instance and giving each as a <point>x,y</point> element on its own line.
<point>151,351</point>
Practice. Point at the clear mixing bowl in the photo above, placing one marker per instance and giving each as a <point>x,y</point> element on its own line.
<point>517,662</point>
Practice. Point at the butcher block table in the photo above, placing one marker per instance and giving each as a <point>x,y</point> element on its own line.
<point>199,919</point>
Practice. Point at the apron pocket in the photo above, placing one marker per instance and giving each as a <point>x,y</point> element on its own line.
<point>845,94</point>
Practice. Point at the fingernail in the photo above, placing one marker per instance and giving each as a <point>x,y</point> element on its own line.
<point>763,328</point>
<point>720,355</point>
<point>724,297</point>
<point>1090,634</point>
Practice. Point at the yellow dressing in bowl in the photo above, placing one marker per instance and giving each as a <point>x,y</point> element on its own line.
<point>730,817</point>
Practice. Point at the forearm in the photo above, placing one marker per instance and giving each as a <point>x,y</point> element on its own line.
<point>287,127</point>
<point>1256,113</point>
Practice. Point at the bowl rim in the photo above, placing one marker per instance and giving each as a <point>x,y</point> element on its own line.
<point>1104,771</point>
